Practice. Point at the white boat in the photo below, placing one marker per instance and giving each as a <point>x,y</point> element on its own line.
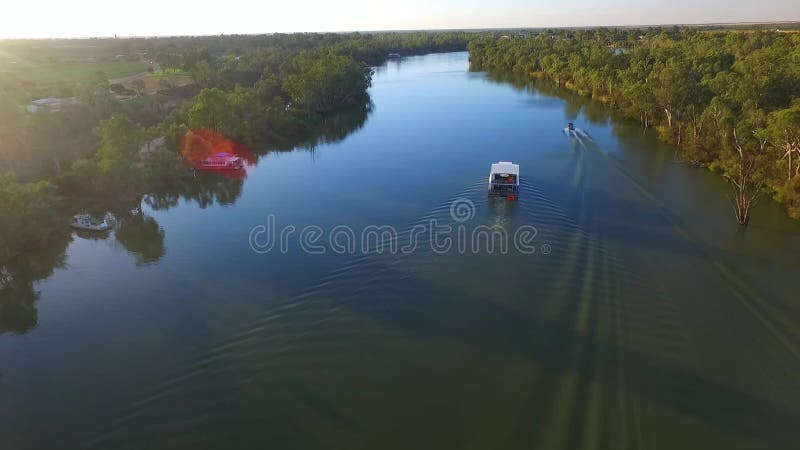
<point>91,223</point>
<point>571,131</point>
<point>393,56</point>
<point>504,180</point>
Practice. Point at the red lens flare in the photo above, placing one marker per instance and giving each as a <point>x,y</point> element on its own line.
<point>210,151</point>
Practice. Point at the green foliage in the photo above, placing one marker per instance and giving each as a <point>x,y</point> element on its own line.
<point>783,132</point>
<point>120,142</point>
<point>744,163</point>
<point>325,82</point>
<point>205,75</point>
<point>789,194</point>
<point>11,119</point>
<point>81,179</point>
<point>214,109</point>
<point>28,219</point>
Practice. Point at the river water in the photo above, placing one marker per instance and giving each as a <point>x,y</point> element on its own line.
<point>636,314</point>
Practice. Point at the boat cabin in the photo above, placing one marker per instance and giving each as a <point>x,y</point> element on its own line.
<point>504,179</point>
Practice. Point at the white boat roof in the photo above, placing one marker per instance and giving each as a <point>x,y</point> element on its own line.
<point>505,167</point>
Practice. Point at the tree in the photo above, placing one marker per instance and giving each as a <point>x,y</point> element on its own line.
<point>783,132</point>
<point>48,139</point>
<point>28,216</point>
<point>205,75</point>
<point>120,143</point>
<point>11,121</point>
<point>268,89</point>
<point>101,78</point>
<point>765,80</point>
<point>641,100</point>
<point>676,89</point>
<point>326,82</point>
<point>743,165</point>
<point>556,68</point>
<point>211,109</point>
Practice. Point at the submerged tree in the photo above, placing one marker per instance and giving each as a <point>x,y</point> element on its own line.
<point>743,166</point>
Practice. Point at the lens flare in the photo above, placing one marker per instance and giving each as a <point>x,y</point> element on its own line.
<point>210,151</point>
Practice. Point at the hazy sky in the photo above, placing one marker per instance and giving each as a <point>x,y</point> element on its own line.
<point>83,18</point>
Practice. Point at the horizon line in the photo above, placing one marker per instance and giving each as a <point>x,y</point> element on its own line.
<point>416,30</point>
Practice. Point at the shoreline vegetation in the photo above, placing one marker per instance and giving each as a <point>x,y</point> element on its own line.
<point>106,146</point>
<point>727,101</point>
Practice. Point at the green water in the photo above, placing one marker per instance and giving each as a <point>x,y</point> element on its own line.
<point>643,319</point>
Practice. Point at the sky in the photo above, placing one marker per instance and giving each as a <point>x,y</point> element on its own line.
<point>89,18</point>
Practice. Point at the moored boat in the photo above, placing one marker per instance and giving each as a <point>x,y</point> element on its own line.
<point>89,222</point>
<point>222,161</point>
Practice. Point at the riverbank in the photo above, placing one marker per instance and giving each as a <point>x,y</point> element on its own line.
<point>734,110</point>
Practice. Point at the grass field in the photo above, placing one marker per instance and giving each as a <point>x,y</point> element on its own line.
<point>54,73</point>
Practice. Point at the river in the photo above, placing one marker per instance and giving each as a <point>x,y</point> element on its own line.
<point>637,314</point>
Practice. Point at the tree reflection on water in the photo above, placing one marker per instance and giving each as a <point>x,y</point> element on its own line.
<point>18,293</point>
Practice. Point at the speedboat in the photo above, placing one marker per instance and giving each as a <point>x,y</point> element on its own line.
<point>222,161</point>
<point>504,180</point>
<point>89,222</point>
<point>570,130</point>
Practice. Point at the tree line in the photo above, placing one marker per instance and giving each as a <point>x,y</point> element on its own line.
<point>726,100</point>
